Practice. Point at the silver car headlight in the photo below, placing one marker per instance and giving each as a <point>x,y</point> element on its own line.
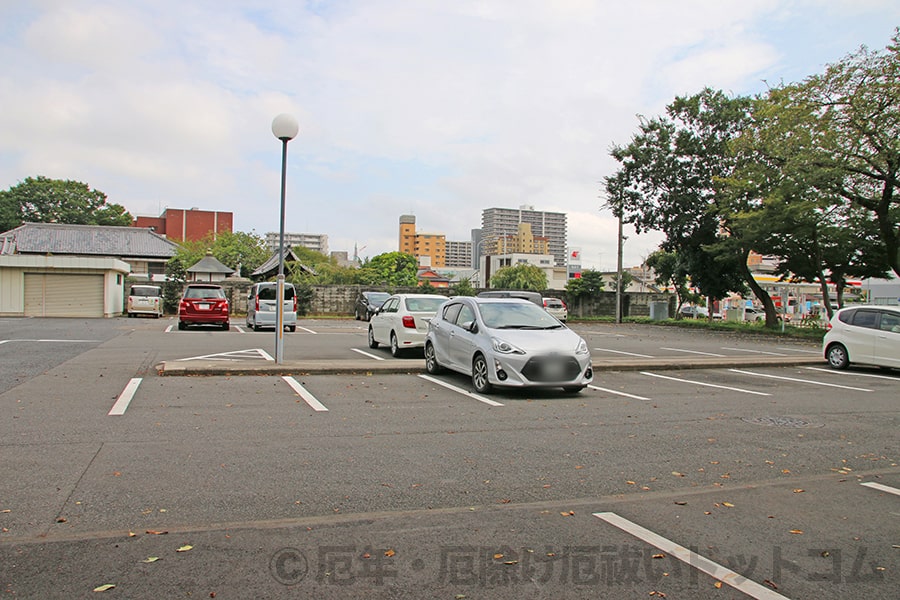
<point>502,347</point>
<point>582,347</point>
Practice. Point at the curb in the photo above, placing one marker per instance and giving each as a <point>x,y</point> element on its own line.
<point>391,367</point>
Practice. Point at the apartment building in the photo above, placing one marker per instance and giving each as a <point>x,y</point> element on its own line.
<point>459,254</point>
<point>313,241</point>
<point>422,244</point>
<point>499,222</point>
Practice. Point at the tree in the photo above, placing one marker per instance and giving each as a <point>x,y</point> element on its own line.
<point>671,273</point>
<point>520,277</point>
<point>232,249</point>
<point>463,288</point>
<point>627,278</point>
<point>396,269</point>
<point>42,200</point>
<point>668,181</point>
<point>851,115</point>
<point>589,285</point>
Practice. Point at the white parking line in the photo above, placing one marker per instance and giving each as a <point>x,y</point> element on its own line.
<point>304,393</point>
<point>712,385</point>
<point>691,558</point>
<point>53,341</point>
<point>692,352</point>
<point>622,352</point>
<point>170,328</point>
<point>239,328</point>
<point>487,401</point>
<point>307,330</point>
<point>852,373</point>
<point>367,354</point>
<point>253,353</point>
<point>124,399</point>
<point>754,351</point>
<point>881,488</point>
<point>616,392</point>
<point>809,381</point>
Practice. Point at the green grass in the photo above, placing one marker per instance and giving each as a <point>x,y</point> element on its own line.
<point>790,331</point>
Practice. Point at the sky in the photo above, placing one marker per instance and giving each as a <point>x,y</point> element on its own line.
<point>436,108</point>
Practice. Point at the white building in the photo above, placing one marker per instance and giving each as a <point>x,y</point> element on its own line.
<point>313,241</point>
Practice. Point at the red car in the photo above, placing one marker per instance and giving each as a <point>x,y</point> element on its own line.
<point>203,304</point>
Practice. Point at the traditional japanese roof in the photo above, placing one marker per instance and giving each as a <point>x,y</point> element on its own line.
<point>210,264</point>
<point>85,240</point>
<point>270,267</point>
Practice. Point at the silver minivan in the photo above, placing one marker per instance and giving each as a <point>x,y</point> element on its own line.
<point>262,306</point>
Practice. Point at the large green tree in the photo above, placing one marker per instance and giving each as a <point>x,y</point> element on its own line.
<point>520,277</point>
<point>668,181</point>
<point>589,285</point>
<point>838,134</point>
<point>390,269</point>
<point>43,200</point>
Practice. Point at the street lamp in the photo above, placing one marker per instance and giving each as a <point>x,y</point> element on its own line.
<point>285,128</point>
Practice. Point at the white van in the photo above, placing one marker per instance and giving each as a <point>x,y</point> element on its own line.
<point>144,300</point>
<point>262,304</point>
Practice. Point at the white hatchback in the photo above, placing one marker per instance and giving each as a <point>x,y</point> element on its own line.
<point>868,335</point>
<point>402,321</point>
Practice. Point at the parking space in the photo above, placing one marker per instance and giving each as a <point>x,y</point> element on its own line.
<point>766,480</point>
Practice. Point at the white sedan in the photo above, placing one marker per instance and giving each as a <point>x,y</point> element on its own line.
<point>402,321</point>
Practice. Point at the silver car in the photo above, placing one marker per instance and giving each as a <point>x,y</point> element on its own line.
<point>262,306</point>
<point>506,342</point>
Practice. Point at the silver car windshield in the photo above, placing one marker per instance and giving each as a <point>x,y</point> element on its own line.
<point>509,315</point>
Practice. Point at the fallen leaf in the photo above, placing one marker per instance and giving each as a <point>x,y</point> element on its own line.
<point>579,466</point>
<point>717,585</point>
<point>771,584</point>
<point>366,555</point>
<point>185,548</point>
<point>567,514</point>
<point>117,474</point>
<point>61,520</point>
<point>799,491</point>
<point>680,502</point>
<point>6,510</point>
<point>677,474</point>
<point>796,531</point>
<point>150,559</point>
<point>660,555</point>
<point>511,562</point>
<point>155,532</point>
<point>728,504</point>
<point>132,534</point>
<point>389,553</point>
<point>498,556</point>
<point>104,587</point>
<point>630,482</point>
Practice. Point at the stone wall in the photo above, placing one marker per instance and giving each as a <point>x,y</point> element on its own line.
<point>341,300</point>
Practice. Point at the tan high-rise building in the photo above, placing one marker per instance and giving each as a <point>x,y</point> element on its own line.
<point>521,242</point>
<point>419,244</point>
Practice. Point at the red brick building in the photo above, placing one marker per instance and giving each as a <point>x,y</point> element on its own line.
<point>178,224</point>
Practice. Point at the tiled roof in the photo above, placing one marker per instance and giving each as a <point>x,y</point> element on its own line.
<point>210,264</point>
<point>271,265</point>
<point>92,240</point>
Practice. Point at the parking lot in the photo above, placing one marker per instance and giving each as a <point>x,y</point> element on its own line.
<point>355,474</point>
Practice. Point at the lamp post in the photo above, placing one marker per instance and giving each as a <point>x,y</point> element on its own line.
<point>285,128</point>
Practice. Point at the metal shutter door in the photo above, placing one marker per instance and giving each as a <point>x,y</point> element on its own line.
<point>53,295</point>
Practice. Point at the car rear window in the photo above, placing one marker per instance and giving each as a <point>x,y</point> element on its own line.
<point>204,292</point>
<point>144,290</point>
<point>424,304</point>
<point>270,292</point>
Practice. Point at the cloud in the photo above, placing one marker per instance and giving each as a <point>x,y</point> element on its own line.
<point>437,108</point>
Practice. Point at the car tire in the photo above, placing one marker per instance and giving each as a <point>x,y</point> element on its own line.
<point>292,328</point>
<point>431,363</point>
<point>837,356</point>
<point>396,352</point>
<point>226,326</point>
<point>182,325</point>
<point>480,380</point>
<point>372,343</point>
<point>573,389</point>
<point>356,314</point>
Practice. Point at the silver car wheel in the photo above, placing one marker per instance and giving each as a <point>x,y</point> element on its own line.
<point>395,345</point>
<point>837,357</point>
<point>431,363</point>
<point>480,380</point>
